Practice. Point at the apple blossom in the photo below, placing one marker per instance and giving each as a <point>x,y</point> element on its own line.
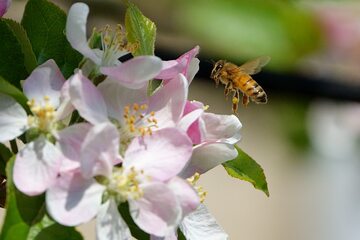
<point>47,102</point>
<point>148,164</point>
<point>139,69</point>
<point>76,35</point>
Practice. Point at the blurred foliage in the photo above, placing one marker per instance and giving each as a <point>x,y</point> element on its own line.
<point>242,29</point>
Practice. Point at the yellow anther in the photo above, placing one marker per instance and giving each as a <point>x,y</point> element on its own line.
<point>206,107</point>
<point>152,113</point>
<point>143,107</point>
<point>136,107</point>
<point>235,100</point>
<point>193,181</point>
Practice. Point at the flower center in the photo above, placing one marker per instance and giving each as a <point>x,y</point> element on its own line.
<point>136,123</point>
<point>43,116</point>
<point>114,44</point>
<point>125,186</point>
<point>193,181</point>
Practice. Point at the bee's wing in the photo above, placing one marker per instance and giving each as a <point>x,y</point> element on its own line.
<point>254,66</point>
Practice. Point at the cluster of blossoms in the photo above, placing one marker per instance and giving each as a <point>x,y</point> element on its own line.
<point>98,144</point>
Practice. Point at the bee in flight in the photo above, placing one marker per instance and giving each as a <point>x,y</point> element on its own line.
<point>237,79</point>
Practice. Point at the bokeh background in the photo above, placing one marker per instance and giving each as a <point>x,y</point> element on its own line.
<point>307,138</point>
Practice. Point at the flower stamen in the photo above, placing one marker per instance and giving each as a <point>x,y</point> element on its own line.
<point>193,181</point>
<point>43,116</point>
<point>126,185</point>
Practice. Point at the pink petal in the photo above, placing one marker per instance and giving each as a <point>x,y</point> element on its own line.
<point>191,112</point>
<point>158,211</point>
<point>186,195</point>
<point>186,64</point>
<point>74,200</point>
<point>87,99</point>
<point>69,141</point>
<point>4,5</point>
<point>221,128</point>
<point>190,119</point>
<point>136,72</point>
<point>201,225</point>
<point>161,155</point>
<point>169,70</point>
<point>13,118</point>
<point>76,31</point>
<point>186,59</point>
<point>100,150</point>
<point>208,156</point>
<point>37,166</point>
<point>45,80</point>
<point>109,223</point>
<point>169,101</point>
<point>117,97</point>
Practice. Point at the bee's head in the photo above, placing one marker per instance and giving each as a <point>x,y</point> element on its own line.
<point>217,68</point>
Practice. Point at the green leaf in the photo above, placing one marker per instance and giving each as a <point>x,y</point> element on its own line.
<point>12,58</point>
<point>134,229</point>
<point>26,216</point>
<point>8,89</point>
<point>245,168</point>
<point>45,23</point>
<point>29,56</point>
<point>180,235</point>
<point>140,31</point>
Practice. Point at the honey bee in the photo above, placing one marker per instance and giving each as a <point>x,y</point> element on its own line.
<point>237,79</point>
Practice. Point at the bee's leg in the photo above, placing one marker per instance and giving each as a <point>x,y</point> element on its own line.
<point>235,102</point>
<point>228,88</point>
<point>217,81</point>
<point>245,100</point>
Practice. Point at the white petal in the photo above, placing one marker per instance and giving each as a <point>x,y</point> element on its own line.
<point>74,200</point>
<point>186,195</point>
<point>109,223</point>
<point>100,150</point>
<point>45,81</point>
<point>13,118</point>
<point>69,141</point>
<point>170,236</point>
<point>65,108</point>
<point>193,69</point>
<point>135,73</point>
<point>221,128</point>
<point>37,166</point>
<point>158,211</point>
<point>87,99</point>
<point>207,156</point>
<point>117,97</point>
<point>76,31</point>
<point>201,225</point>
